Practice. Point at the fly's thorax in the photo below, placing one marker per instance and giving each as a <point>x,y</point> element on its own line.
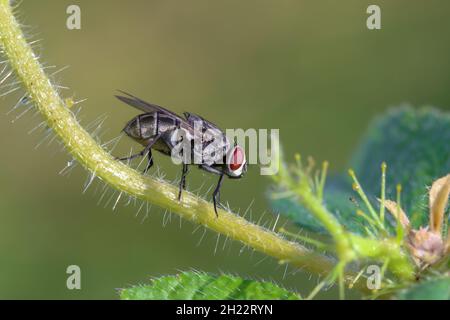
<point>181,143</point>
<point>214,147</point>
<point>180,135</point>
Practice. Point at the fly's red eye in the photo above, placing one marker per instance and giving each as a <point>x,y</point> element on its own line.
<point>237,159</point>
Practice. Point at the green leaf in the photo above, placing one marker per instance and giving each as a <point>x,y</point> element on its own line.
<point>434,289</point>
<point>202,286</point>
<point>415,145</point>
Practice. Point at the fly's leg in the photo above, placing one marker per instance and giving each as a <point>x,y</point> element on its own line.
<point>216,194</point>
<point>183,180</point>
<point>143,152</point>
<point>150,161</point>
<point>185,171</point>
<point>134,156</point>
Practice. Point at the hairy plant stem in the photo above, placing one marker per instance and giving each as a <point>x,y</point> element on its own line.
<point>123,178</point>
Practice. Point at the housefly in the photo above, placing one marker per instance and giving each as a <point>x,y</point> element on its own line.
<point>164,131</point>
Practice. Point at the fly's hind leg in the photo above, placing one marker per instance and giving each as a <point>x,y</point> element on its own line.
<point>147,150</point>
<point>134,156</point>
<point>183,180</point>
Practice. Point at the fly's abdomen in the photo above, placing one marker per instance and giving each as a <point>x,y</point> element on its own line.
<point>149,125</point>
<point>141,127</point>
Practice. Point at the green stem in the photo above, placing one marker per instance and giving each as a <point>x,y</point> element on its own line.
<point>383,191</point>
<point>123,178</point>
<point>358,188</point>
<point>383,250</point>
<point>329,221</point>
<point>400,231</point>
<point>323,178</point>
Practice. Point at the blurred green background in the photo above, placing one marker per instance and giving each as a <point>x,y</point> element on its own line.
<point>310,68</point>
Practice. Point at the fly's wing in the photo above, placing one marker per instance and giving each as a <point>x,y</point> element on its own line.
<point>214,131</point>
<point>171,138</point>
<point>192,118</point>
<point>146,106</point>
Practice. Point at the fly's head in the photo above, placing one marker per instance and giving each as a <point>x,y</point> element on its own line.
<point>236,164</point>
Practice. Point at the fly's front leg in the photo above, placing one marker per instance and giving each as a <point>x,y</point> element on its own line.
<point>183,180</point>
<point>216,194</point>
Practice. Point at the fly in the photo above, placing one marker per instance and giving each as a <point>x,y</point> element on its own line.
<point>159,129</point>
